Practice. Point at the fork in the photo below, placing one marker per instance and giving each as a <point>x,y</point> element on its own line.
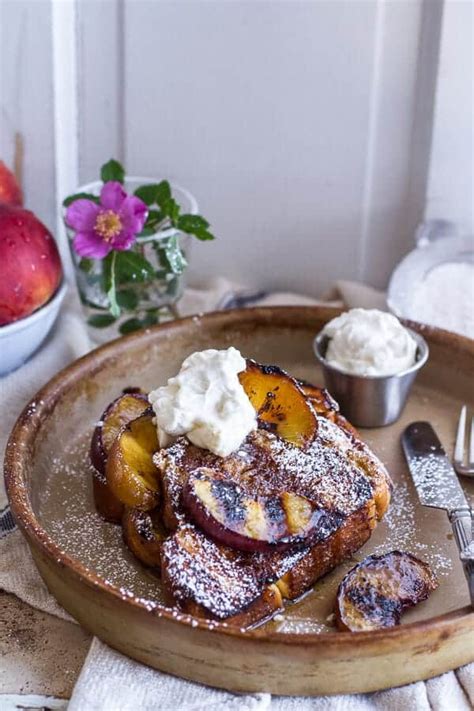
<point>461,443</point>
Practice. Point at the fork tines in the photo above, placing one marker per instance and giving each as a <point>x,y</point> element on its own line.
<point>462,444</point>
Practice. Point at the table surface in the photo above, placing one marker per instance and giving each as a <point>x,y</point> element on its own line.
<point>40,656</point>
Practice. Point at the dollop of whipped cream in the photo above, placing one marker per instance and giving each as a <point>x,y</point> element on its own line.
<point>206,402</point>
<point>369,342</point>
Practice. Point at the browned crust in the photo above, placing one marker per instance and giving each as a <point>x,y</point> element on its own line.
<point>261,610</point>
<point>354,532</point>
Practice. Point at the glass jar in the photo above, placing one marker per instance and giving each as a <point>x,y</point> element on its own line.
<point>147,299</point>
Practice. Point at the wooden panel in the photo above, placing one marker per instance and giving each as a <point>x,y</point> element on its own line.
<point>26,98</point>
<point>451,183</point>
<point>303,128</point>
<point>399,135</point>
<point>261,110</point>
<point>100,59</point>
<point>291,122</point>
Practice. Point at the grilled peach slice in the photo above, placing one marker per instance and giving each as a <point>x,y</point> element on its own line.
<point>234,518</point>
<point>280,403</point>
<point>120,412</point>
<point>324,404</point>
<point>143,533</point>
<point>320,398</point>
<point>106,504</point>
<point>131,474</point>
<point>374,594</point>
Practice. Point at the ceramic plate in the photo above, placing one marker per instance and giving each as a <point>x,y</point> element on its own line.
<point>86,566</point>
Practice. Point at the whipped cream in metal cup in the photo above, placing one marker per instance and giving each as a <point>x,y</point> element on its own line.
<point>370,400</point>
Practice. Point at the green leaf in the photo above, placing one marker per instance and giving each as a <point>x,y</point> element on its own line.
<point>154,218</point>
<point>171,208</point>
<point>150,319</point>
<point>112,171</point>
<point>203,235</point>
<point>132,267</point>
<point>79,196</point>
<point>101,320</point>
<point>147,193</point>
<point>195,225</point>
<point>175,257</point>
<point>86,265</point>
<point>127,299</point>
<point>191,223</point>
<point>163,192</point>
<point>111,293</point>
<point>134,324</point>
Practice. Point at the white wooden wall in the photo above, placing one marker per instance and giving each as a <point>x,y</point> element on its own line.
<point>450,192</point>
<point>26,98</point>
<point>305,129</point>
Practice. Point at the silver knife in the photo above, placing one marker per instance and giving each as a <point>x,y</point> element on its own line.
<point>438,486</point>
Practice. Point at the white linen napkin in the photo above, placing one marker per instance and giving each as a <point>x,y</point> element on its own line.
<point>108,679</point>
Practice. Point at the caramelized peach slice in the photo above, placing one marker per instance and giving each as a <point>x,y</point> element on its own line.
<point>143,533</point>
<point>106,503</point>
<point>117,414</point>
<point>374,594</point>
<point>234,518</point>
<point>320,398</point>
<point>280,403</point>
<point>130,471</point>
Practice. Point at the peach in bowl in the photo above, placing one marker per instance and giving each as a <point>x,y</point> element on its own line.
<point>31,285</point>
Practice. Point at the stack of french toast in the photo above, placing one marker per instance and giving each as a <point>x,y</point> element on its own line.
<point>234,537</point>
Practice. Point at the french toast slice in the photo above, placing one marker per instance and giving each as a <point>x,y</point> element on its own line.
<point>338,472</point>
<point>205,579</point>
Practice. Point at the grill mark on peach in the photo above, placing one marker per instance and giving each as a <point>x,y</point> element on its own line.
<point>282,521</point>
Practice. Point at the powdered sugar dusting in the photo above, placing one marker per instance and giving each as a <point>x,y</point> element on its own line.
<point>402,534</point>
<point>68,514</point>
<point>200,571</point>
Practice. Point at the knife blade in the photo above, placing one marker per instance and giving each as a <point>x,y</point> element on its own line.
<point>438,487</point>
<point>436,482</point>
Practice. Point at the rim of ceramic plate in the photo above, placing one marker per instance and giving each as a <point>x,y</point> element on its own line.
<point>29,423</point>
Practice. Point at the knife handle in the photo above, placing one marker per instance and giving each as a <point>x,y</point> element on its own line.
<point>461,521</point>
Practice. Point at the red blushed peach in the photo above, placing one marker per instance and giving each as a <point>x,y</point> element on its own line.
<point>30,266</point>
<point>10,191</point>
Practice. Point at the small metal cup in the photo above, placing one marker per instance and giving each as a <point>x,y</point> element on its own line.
<point>370,400</point>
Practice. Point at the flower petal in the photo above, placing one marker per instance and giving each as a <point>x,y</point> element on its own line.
<point>133,214</point>
<point>112,196</point>
<point>81,214</point>
<point>89,244</point>
<point>124,240</point>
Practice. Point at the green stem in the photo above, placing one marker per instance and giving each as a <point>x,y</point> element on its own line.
<point>114,307</point>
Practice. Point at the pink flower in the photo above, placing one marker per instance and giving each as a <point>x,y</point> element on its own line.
<point>112,224</point>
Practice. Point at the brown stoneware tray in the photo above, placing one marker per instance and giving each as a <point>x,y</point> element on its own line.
<point>86,567</point>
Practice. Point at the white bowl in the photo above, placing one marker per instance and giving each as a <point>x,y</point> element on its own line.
<point>20,339</point>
